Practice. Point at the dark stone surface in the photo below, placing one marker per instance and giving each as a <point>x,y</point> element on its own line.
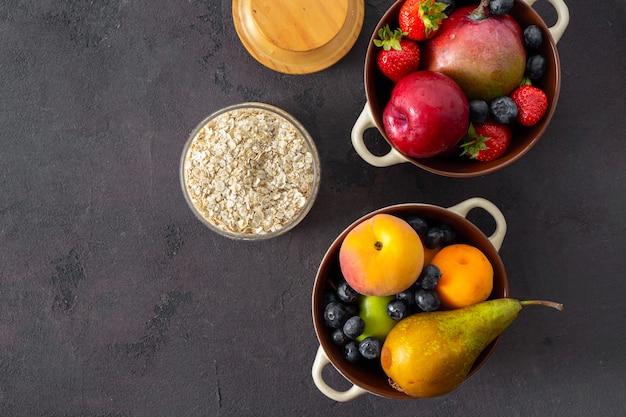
<point>116,302</point>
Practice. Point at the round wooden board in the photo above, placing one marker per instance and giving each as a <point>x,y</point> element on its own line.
<point>298,36</point>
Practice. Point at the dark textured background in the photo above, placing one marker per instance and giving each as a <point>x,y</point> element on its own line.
<point>115,301</point>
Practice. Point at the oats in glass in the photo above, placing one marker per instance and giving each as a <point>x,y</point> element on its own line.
<point>250,171</point>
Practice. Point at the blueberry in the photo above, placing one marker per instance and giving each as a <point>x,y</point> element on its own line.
<point>339,338</point>
<point>353,327</point>
<point>434,237</point>
<point>533,38</point>
<point>397,309</point>
<point>419,225</point>
<point>479,111</point>
<point>535,67</point>
<point>449,235</point>
<point>448,11</point>
<point>430,277</point>
<point>329,296</point>
<point>407,296</point>
<point>503,110</point>
<point>351,352</point>
<point>427,300</point>
<point>346,293</point>
<point>335,315</point>
<point>370,347</point>
<point>500,7</point>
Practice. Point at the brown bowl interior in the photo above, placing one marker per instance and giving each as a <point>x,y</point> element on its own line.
<point>371,376</point>
<point>378,90</point>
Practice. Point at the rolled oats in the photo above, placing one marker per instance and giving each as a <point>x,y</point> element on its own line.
<point>249,171</point>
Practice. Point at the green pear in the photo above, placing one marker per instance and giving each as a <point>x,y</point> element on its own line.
<point>430,354</point>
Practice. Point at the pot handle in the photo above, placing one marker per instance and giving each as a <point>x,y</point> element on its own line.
<point>364,122</point>
<point>562,20</point>
<point>464,208</point>
<point>321,360</point>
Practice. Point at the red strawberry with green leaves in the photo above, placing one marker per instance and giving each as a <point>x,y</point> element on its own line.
<point>531,102</point>
<point>420,19</point>
<point>399,56</point>
<point>486,141</point>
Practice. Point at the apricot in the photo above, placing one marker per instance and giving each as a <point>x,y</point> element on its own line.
<point>466,275</point>
<point>381,256</point>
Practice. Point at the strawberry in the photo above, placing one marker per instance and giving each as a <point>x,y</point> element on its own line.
<point>398,56</point>
<point>420,19</point>
<point>531,102</point>
<point>487,141</point>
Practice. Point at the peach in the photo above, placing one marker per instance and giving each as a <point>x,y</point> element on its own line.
<point>381,256</point>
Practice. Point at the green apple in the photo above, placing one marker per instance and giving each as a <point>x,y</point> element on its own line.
<point>373,311</point>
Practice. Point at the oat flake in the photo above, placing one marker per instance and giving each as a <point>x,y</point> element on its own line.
<point>249,171</point>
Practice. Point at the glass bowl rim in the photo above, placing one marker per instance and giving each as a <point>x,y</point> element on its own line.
<point>309,143</point>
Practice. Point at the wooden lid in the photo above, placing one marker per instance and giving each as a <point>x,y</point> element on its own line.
<point>298,36</point>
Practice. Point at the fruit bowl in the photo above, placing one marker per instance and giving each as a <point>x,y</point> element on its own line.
<point>250,171</point>
<point>369,377</point>
<point>378,91</point>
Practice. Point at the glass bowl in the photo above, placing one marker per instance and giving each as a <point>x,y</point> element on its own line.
<point>250,171</point>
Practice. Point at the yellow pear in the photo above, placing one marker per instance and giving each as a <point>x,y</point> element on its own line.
<point>430,354</point>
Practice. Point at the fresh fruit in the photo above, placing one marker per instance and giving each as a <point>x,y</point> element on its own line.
<point>484,54</point>
<point>338,337</point>
<point>431,354</point>
<point>448,233</point>
<point>531,103</point>
<point>535,67</point>
<point>351,352</point>
<point>421,19</point>
<point>466,275</point>
<point>345,293</point>
<point>373,311</point>
<point>426,115</point>
<point>419,225</point>
<point>335,315</point>
<point>354,327</point>
<point>427,300</point>
<point>397,309</point>
<point>479,111</point>
<point>430,276</point>
<point>439,235</point>
<point>398,56</point>
<point>500,7</point>
<point>434,238</point>
<point>407,296</point>
<point>533,38</point>
<point>359,333</point>
<point>370,348</point>
<point>486,142</point>
<point>503,110</point>
<point>382,255</point>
